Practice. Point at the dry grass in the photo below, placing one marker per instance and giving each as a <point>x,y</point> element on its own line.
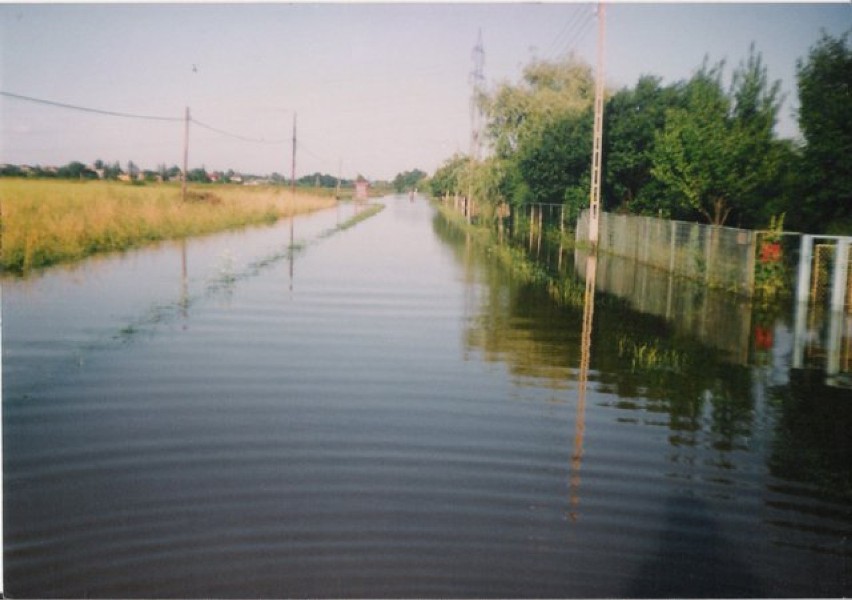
<point>46,222</point>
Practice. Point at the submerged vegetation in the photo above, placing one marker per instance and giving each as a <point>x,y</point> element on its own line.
<point>47,222</point>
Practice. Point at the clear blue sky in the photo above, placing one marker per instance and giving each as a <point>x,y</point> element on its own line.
<point>380,88</point>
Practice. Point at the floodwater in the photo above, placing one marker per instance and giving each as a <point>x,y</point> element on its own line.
<point>386,412</point>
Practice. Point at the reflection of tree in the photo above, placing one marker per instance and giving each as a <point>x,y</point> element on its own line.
<point>812,442</point>
<point>706,401</point>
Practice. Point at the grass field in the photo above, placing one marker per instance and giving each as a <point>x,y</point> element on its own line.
<point>44,222</point>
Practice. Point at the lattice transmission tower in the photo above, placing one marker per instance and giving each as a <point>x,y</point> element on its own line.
<point>477,82</point>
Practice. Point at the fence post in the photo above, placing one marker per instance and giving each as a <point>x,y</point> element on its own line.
<point>837,316</point>
<point>803,283</point>
<point>840,275</point>
<point>672,246</point>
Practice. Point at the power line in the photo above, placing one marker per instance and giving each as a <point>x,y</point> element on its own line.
<point>563,34</point>
<point>236,135</point>
<point>581,34</point>
<point>113,113</point>
<point>574,34</point>
<point>99,111</point>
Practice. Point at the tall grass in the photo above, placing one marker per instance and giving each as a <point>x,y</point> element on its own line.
<point>46,222</point>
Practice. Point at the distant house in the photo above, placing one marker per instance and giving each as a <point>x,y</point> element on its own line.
<point>362,188</point>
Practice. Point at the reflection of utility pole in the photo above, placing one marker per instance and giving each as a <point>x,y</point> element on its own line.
<point>597,141</point>
<point>585,356</point>
<point>1,445</point>
<point>184,296</point>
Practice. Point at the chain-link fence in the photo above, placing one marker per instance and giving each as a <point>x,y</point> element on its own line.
<point>721,257</point>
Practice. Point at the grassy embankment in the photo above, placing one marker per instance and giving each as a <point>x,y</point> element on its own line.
<point>46,222</point>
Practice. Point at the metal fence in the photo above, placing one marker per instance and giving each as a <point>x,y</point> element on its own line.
<point>721,257</point>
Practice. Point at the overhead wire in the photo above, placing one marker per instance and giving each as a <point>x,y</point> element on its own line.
<point>99,111</point>
<point>235,135</point>
<point>558,40</point>
<point>127,115</point>
<point>575,35</point>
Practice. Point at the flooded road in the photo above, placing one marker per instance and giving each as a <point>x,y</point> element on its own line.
<point>386,412</point>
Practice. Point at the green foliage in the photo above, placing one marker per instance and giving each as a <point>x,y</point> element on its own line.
<point>556,156</point>
<point>632,118</point>
<point>718,153</point>
<point>447,179</point>
<point>825,118</point>
<point>548,90</point>
<point>314,180</point>
<point>408,180</point>
<point>198,176</point>
<point>540,129</point>
<point>770,277</point>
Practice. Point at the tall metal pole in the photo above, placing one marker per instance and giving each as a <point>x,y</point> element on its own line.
<point>477,79</point>
<point>595,196</point>
<point>185,155</point>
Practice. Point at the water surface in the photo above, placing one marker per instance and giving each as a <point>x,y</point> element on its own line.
<point>386,412</point>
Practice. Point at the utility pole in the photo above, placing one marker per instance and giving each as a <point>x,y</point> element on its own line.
<point>597,143</point>
<point>185,154</point>
<point>292,201</point>
<point>477,80</point>
<point>293,164</point>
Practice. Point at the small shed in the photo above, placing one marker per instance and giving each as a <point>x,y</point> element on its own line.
<point>362,188</point>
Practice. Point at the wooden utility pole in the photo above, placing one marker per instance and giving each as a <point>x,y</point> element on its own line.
<point>293,164</point>
<point>597,142</point>
<point>185,155</point>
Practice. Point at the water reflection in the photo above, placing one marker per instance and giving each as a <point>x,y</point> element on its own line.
<point>692,392</point>
<point>583,379</point>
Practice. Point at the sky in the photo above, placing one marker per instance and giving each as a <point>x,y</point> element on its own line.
<point>375,89</point>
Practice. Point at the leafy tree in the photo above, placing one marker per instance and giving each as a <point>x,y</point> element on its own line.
<point>632,117</point>
<point>408,180</point>
<point>11,171</point>
<point>547,91</point>
<point>558,157</point>
<point>112,171</point>
<point>718,154</point>
<point>447,178</point>
<point>76,170</point>
<point>825,118</point>
<point>541,131</point>
<point>198,176</point>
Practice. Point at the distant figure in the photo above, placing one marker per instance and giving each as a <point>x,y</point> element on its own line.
<point>411,196</point>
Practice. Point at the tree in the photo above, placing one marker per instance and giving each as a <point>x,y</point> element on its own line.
<point>540,130</point>
<point>547,91</point>
<point>447,178</point>
<point>557,157</point>
<point>198,175</point>
<point>825,118</point>
<point>718,155</point>
<point>76,170</point>
<point>408,180</point>
<point>632,117</point>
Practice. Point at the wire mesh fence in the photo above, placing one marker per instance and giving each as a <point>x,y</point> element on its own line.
<point>721,257</point>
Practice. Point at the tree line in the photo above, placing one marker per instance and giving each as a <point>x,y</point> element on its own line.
<point>700,149</point>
